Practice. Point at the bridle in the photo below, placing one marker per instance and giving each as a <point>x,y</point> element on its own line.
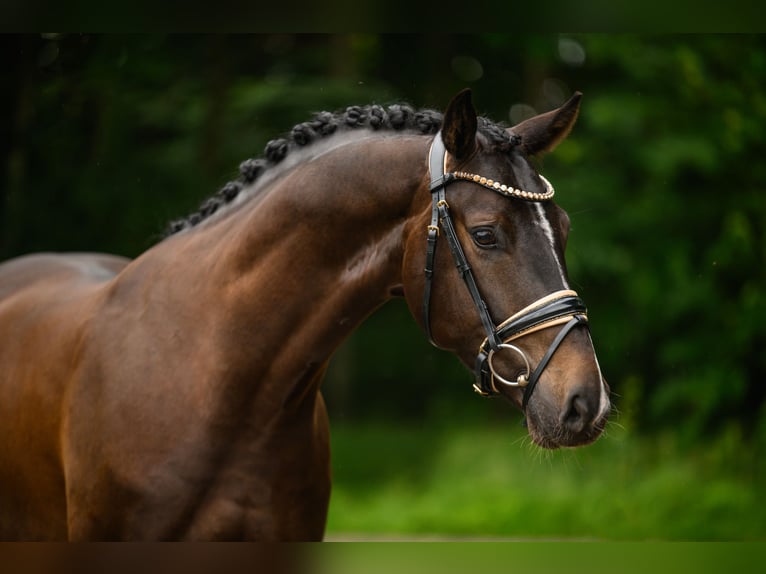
<point>558,308</point>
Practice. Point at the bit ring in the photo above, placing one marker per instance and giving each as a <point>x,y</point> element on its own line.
<point>522,380</point>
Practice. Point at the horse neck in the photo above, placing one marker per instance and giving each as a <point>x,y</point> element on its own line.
<point>287,275</point>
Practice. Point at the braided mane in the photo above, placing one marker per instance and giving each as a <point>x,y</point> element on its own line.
<point>397,117</point>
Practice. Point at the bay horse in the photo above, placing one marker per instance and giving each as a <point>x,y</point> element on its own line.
<point>177,395</point>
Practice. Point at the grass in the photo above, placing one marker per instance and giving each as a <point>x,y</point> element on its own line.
<point>539,557</point>
<point>488,480</point>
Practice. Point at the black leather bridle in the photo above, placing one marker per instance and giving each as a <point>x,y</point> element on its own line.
<point>562,307</point>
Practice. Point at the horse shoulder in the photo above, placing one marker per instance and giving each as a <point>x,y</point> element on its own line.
<point>45,302</point>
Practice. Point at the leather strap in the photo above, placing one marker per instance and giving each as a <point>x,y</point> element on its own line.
<point>464,268</point>
<point>433,235</point>
<point>439,180</point>
<point>576,320</point>
<point>559,308</point>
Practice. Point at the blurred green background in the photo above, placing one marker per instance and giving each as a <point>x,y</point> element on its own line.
<point>103,139</point>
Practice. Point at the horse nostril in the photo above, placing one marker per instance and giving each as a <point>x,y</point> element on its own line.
<point>576,414</point>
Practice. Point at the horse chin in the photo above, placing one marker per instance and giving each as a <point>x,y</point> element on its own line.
<point>547,433</point>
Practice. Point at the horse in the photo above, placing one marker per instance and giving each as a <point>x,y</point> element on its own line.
<point>176,396</point>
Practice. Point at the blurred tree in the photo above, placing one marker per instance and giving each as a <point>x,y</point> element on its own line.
<point>677,234</point>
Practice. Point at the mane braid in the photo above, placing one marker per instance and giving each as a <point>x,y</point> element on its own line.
<point>397,117</point>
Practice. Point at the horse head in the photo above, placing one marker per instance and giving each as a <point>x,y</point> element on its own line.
<point>495,291</point>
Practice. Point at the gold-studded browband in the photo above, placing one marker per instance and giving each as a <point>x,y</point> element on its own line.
<point>507,190</point>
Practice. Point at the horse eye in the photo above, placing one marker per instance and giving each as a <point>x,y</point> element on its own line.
<point>484,237</point>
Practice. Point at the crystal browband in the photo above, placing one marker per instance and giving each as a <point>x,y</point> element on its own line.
<point>508,190</point>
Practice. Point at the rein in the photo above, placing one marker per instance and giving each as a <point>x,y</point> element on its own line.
<point>558,308</point>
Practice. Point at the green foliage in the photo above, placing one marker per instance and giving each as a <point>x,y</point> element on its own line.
<point>106,138</point>
<point>541,557</point>
<point>479,481</point>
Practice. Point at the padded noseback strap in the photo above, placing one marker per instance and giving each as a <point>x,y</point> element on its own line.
<point>535,317</point>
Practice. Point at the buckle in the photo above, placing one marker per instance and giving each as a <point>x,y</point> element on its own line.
<point>478,391</point>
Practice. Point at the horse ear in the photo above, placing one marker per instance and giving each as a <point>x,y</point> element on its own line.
<point>459,126</point>
<point>542,133</point>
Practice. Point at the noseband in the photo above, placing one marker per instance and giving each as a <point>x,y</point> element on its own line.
<point>559,308</point>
